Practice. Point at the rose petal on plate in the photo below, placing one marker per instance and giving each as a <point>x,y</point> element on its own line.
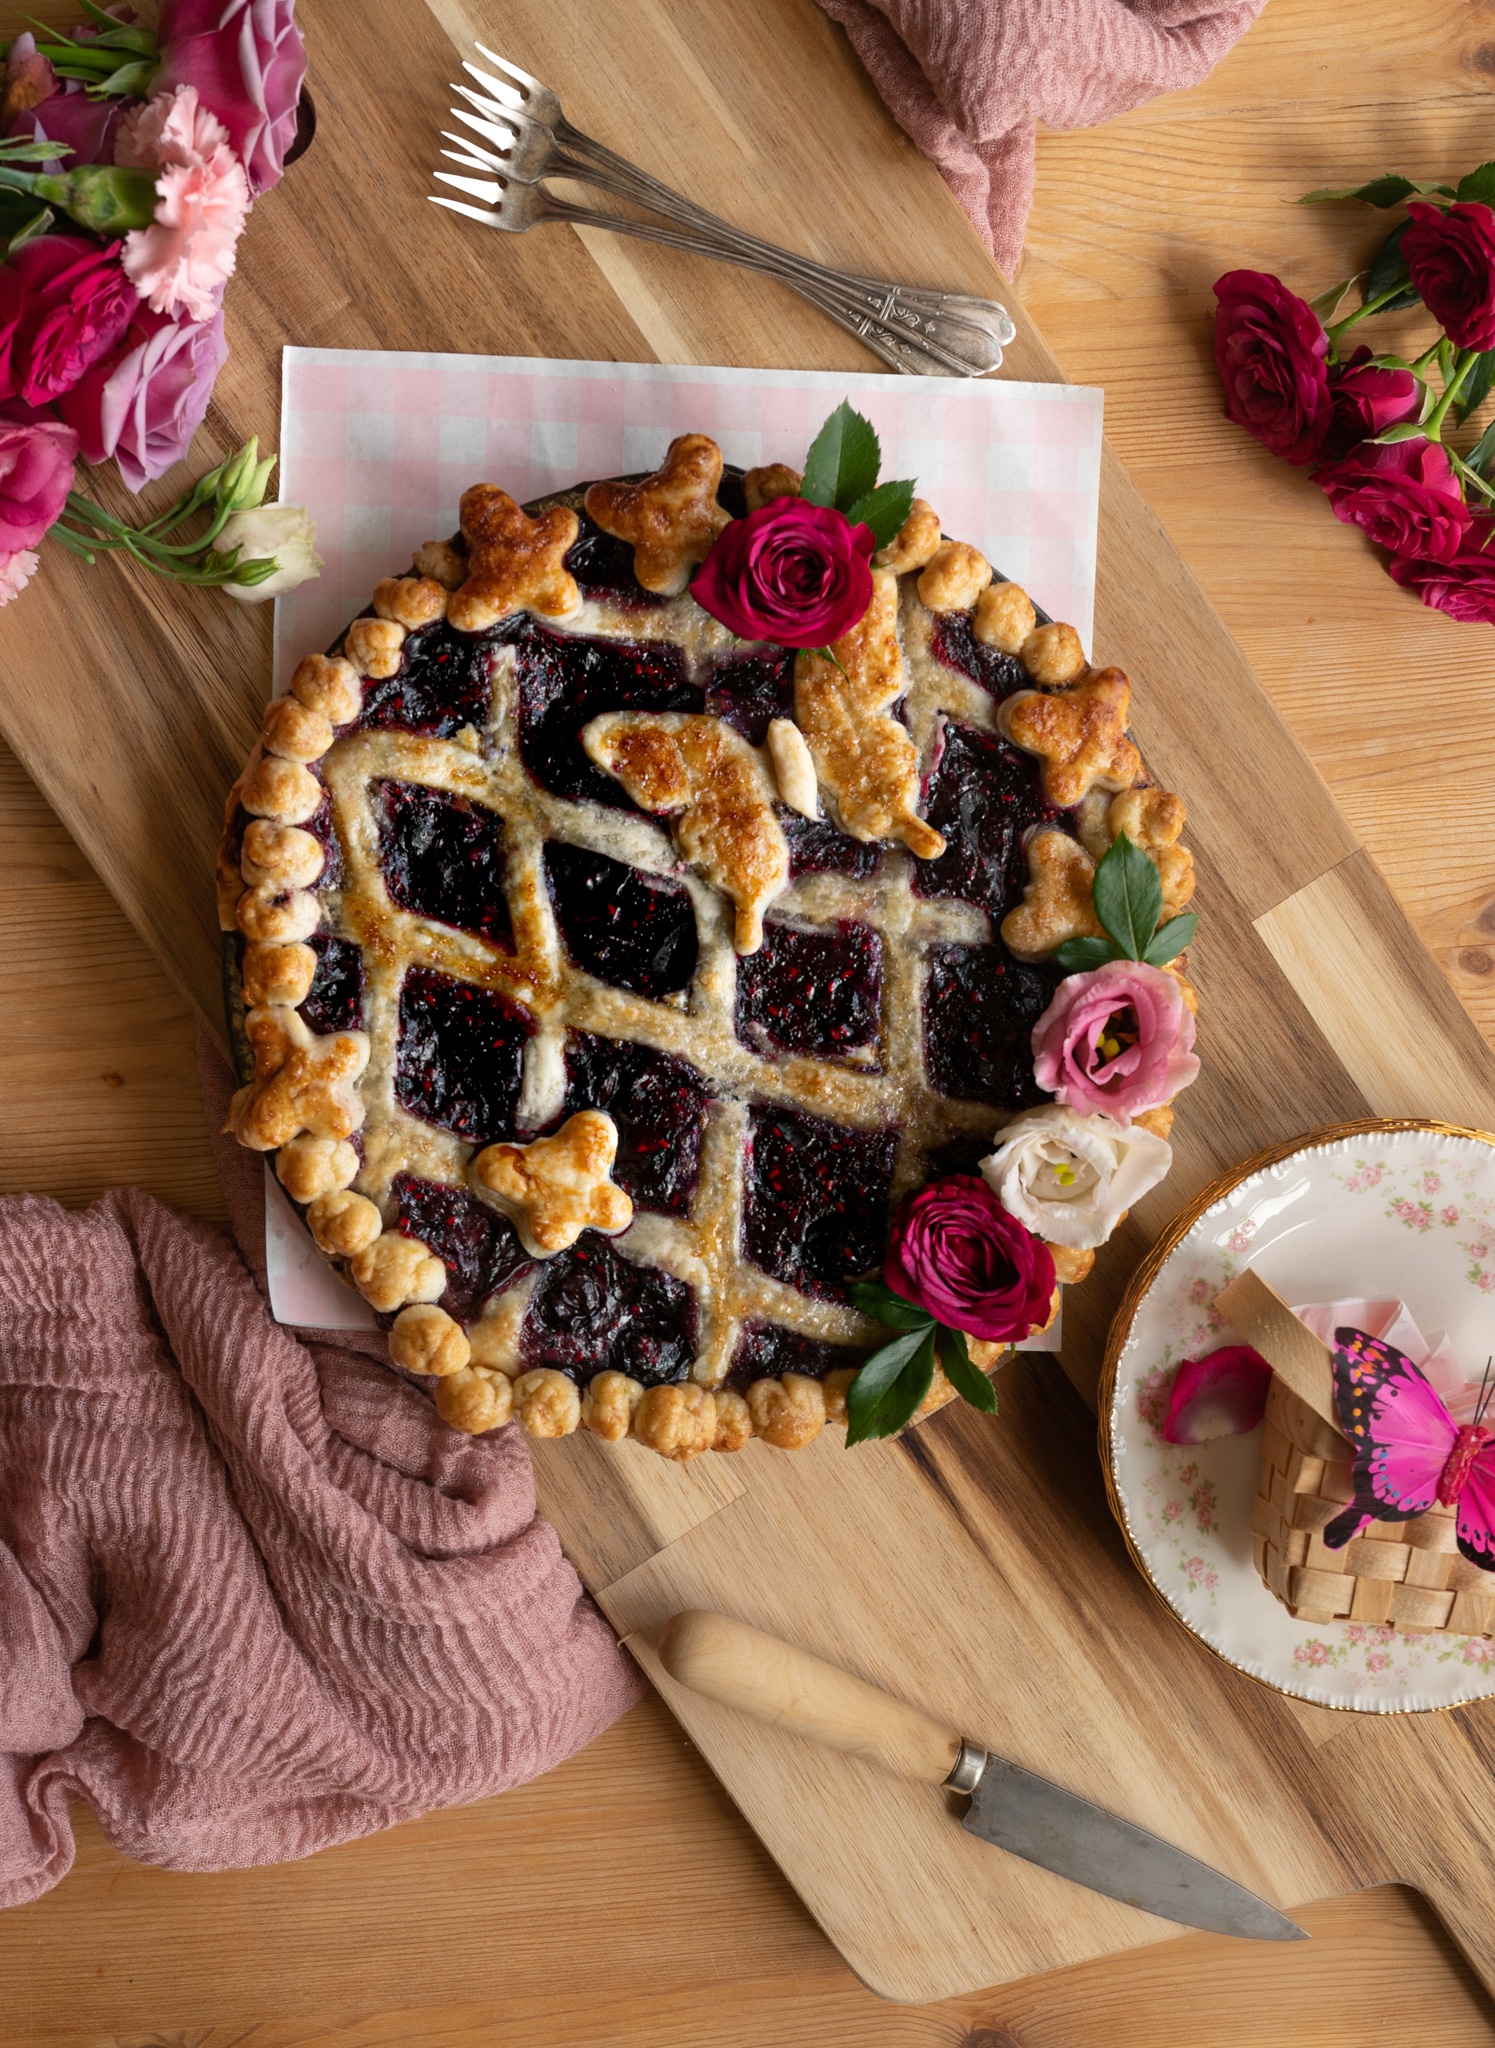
<point>1223,1394</point>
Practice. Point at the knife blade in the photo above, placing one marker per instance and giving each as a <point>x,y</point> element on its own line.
<point>1010,1808</point>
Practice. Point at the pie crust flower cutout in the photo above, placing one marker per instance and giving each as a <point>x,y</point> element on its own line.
<point>514,563</point>
<point>1118,1040</point>
<point>1070,1178</point>
<point>957,1253</point>
<point>794,573</point>
<point>555,1188</point>
<point>714,785</point>
<point>1080,735</point>
<point>670,519</point>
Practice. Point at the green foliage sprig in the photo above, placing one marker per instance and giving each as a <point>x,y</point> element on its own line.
<point>890,1387</point>
<point>841,472</point>
<point>1128,898</point>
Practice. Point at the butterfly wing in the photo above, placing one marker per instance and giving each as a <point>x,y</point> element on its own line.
<point>1477,1511</point>
<point>1399,1428</point>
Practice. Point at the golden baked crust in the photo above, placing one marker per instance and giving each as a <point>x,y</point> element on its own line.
<point>514,563</point>
<point>1080,734</point>
<point>1057,904</point>
<point>671,518</point>
<point>555,1188</point>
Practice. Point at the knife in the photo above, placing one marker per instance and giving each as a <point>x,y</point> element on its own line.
<point>741,1667</point>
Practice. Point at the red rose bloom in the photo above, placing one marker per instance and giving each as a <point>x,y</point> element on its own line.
<point>1463,587</point>
<point>1405,496</point>
<point>956,1252</point>
<point>791,572</point>
<point>64,303</point>
<point>36,474</point>
<point>1365,401</point>
<point>1451,260</point>
<point>1272,354</point>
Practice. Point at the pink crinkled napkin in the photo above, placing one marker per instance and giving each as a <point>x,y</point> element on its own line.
<point>970,79</point>
<point>255,1598</point>
<point>1393,1323</point>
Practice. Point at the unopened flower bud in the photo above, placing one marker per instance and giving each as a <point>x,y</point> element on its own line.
<point>104,197</point>
<point>284,532</point>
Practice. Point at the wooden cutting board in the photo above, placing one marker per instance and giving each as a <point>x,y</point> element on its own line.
<point>971,1567</point>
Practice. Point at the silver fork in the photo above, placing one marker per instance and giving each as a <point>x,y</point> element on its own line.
<point>918,332</point>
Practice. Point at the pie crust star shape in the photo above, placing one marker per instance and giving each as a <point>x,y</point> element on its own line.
<point>555,1188</point>
<point>671,518</point>
<point>514,563</point>
<point>301,1082</point>
<point>1079,733</point>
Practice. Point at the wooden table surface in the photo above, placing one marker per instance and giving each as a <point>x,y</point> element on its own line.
<point>622,1899</point>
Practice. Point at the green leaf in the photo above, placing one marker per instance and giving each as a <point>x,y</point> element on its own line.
<point>884,509</point>
<point>1482,455</point>
<point>1128,897</point>
<point>1477,385</point>
<point>37,224</point>
<point>842,463</point>
<point>888,1388</point>
<point>1390,189</point>
<point>15,151</point>
<point>968,1380</point>
<point>876,1299</point>
<point>1387,269</point>
<point>1169,940</point>
<point>1079,956</point>
<point>131,80</point>
<point>1478,184</point>
<point>1404,430</point>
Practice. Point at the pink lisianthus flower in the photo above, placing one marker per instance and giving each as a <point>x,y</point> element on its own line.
<point>183,259</point>
<point>16,571</point>
<point>247,60</point>
<point>36,474</point>
<point>1117,1040</point>
<point>144,404</point>
<point>957,1253</point>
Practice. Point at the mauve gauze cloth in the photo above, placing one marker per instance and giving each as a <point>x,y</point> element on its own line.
<point>255,1598</point>
<point>970,79</point>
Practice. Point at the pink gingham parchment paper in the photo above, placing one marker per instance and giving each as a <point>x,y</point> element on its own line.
<point>380,446</point>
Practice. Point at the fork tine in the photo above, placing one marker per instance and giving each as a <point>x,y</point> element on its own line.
<point>483,158</point>
<point>479,188</point>
<point>487,108</point>
<point>501,138</point>
<point>506,95</point>
<point>473,163</point>
<point>489,220</point>
<point>520,78</point>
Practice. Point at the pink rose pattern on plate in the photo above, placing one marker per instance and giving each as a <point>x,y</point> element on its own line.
<point>1412,1192</point>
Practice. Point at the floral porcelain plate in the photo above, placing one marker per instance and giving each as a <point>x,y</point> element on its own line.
<point>1393,1209</point>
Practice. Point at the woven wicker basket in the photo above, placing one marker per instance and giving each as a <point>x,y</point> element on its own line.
<point>1410,1574</point>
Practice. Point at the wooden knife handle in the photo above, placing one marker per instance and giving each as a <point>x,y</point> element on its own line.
<point>743,1668</point>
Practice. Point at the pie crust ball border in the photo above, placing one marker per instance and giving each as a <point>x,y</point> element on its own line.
<point>303,1103</point>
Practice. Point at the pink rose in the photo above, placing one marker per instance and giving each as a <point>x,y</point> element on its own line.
<point>247,60</point>
<point>1365,401</point>
<point>1272,354</point>
<point>1450,258</point>
<point>791,572</point>
<point>1405,496</point>
<point>956,1252</point>
<point>1463,587</point>
<point>36,474</point>
<point>143,405</point>
<point>64,303</point>
<point>1118,1039</point>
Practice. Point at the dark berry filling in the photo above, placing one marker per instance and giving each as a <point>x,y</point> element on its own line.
<point>980,1006</point>
<point>458,1060</point>
<point>954,643</point>
<point>334,1002</point>
<point>444,858</point>
<point>748,692</point>
<point>984,795</point>
<point>564,681</point>
<point>659,1106</point>
<point>319,824</point>
<point>632,930</point>
<point>603,566</point>
<point>817,847</point>
<point>481,1251</point>
<point>816,1199</point>
<point>764,1350</point>
<point>811,992</point>
<point>444,681</point>
<point>593,1311</point>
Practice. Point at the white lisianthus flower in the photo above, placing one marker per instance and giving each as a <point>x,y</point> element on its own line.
<point>1070,1178</point>
<point>284,531</point>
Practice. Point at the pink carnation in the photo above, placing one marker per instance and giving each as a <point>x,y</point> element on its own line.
<point>183,259</point>
<point>16,571</point>
<point>1119,1040</point>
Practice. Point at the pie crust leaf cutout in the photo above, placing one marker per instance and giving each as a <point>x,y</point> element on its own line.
<point>671,518</point>
<point>514,563</point>
<point>1080,735</point>
<point>555,1188</point>
<point>864,759</point>
<point>705,777</point>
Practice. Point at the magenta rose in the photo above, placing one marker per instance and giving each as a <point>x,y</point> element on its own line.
<point>1451,260</point>
<point>1119,1039</point>
<point>64,303</point>
<point>791,572</point>
<point>1405,496</point>
<point>956,1252</point>
<point>36,474</point>
<point>247,60</point>
<point>1463,587</point>
<point>1364,401</point>
<point>1272,354</point>
<point>144,404</point>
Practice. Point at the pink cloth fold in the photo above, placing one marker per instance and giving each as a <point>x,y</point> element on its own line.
<point>255,1598</point>
<point>970,79</point>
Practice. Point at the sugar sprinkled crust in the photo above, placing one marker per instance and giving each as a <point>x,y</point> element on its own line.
<point>325,1104</point>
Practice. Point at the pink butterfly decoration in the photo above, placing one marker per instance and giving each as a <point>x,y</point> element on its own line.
<point>1409,1451</point>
